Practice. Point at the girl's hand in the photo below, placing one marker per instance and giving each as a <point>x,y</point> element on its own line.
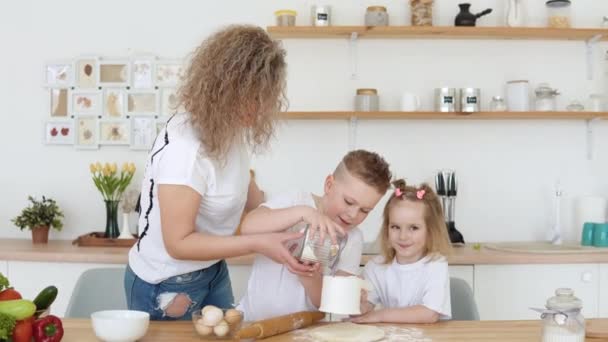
<point>370,317</point>
<point>272,246</point>
<point>365,305</point>
<point>323,224</point>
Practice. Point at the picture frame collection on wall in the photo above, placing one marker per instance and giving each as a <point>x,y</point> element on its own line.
<point>95,101</point>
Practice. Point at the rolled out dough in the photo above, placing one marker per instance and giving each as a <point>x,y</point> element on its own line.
<point>347,332</point>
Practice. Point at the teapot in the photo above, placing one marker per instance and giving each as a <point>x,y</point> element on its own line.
<point>466,18</point>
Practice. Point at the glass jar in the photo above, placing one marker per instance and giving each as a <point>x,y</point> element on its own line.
<point>558,13</point>
<point>367,100</point>
<point>498,104</point>
<point>376,16</point>
<point>545,98</point>
<point>563,321</point>
<point>286,17</point>
<point>422,12</point>
<point>575,106</point>
<point>597,103</point>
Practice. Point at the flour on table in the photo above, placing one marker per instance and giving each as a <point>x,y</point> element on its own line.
<point>391,334</point>
<point>347,332</point>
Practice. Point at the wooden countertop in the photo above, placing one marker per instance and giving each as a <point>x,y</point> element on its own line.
<point>80,330</point>
<point>64,251</point>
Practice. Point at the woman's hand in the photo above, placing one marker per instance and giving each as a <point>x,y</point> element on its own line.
<point>272,246</point>
<point>323,224</point>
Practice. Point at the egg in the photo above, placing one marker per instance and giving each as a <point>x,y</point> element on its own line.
<point>208,307</point>
<point>202,329</point>
<point>221,329</point>
<point>212,317</point>
<point>233,316</point>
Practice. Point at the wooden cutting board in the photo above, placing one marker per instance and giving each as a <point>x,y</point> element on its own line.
<point>596,329</point>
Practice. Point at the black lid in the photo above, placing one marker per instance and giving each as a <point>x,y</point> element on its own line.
<point>558,3</point>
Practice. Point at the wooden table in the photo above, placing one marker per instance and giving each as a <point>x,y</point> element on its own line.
<point>80,330</point>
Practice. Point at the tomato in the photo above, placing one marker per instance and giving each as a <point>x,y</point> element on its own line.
<point>9,294</point>
<point>23,331</point>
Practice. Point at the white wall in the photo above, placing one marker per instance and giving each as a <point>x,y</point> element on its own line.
<point>506,168</point>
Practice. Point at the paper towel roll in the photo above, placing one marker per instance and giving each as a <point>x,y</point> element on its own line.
<point>589,209</point>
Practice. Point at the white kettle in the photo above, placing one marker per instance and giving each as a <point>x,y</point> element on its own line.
<point>515,15</point>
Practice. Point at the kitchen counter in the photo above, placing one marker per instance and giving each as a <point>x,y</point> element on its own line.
<point>64,251</point>
<point>80,330</point>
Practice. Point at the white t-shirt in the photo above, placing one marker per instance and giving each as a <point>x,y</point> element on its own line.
<point>425,282</point>
<point>182,161</point>
<point>272,289</point>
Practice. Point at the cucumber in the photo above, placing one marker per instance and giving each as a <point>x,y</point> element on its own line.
<point>45,298</point>
<point>18,308</point>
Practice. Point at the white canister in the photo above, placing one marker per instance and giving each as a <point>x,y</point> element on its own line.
<point>597,103</point>
<point>341,295</point>
<point>367,100</point>
<point>320,15</point>
<point>409,102</point>
<point>518,96</point>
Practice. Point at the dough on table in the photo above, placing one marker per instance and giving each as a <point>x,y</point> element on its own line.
<point>347,332</point>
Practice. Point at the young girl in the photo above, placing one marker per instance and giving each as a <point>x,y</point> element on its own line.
<point>410,280</point>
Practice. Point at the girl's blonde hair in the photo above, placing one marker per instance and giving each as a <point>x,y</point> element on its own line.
<point>235,74</point>
<point>437,241</point>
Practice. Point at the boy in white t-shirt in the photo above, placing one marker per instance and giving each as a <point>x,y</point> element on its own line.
<point>350,193</point>
<point>410,280</point>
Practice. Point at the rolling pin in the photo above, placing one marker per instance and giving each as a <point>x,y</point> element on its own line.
<point>278,325</point>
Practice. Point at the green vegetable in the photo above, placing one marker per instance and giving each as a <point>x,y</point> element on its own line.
<point>18,308</point>
<point>4,284</point>
<point>7,324</point>
<point>45,298</point>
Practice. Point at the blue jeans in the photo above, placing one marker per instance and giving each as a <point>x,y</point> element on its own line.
<point>209,286</point>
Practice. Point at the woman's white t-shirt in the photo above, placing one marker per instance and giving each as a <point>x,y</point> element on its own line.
<point>272,289</point>
<point>425,282</point>
<point>178,158</point>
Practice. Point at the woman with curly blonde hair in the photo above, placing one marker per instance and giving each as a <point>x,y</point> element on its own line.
<point>197,182</point>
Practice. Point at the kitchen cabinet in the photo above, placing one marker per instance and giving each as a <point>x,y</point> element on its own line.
<point>505,292</point>
<point>603,291</point>
<point>29,278</point>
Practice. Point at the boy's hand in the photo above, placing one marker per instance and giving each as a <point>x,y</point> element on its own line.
<point>272,246</point>
<point>315,268</point>
<point>323,224</point>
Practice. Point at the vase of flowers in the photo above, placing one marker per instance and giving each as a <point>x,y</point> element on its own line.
<point>112,184</point>
<point>39,217</point>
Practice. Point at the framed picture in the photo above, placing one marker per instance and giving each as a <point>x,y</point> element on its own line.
<point>58,102</point>
<point>114,132</point>
<point>142,71</point>
<point>83,102</point>
<point>60,132</point>
<point>168,101</point>
<point>142,102</point>
<point>168,73</point>
<point>113,73</point>
<point>86,132</point>
<point>114,102</point>
<point>86,69</point>
<point>143,132</point>
<point>59,74</point>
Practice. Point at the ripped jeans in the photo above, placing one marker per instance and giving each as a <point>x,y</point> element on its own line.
<point>177,297</point>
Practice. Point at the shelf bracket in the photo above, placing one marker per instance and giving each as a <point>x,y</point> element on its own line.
<point>352,49</point>
<point>589,44</point>
<point>590,141</point>
<point>352,133</point>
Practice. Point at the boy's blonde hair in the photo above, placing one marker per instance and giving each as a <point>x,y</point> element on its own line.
<point>237,71</point>
<point>437,241</point>
<point>368,167</point>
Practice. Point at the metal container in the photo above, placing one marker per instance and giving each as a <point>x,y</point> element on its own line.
<point>308,248</point>
<point>376,16</point>
<point>367,100</point>
<point>470,99</point>
<point>446,100</point>
<point>320,15</point>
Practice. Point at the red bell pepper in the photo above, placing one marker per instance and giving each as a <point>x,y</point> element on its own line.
<point>48,329</point>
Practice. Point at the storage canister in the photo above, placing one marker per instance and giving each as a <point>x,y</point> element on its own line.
<point>320,15</point>
<point>286,17</point>
<point>558,13</point>
<point>367,100</point>
<point>446,100</point>
<point>470,99</point>
<point>545,98</point>
<point>562,321</point>
<point>422,12</point>
<point>518,96</point>
<point>376,16</point>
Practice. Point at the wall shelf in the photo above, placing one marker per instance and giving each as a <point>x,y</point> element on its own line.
<point>329,115</point>
<point>439,32</point>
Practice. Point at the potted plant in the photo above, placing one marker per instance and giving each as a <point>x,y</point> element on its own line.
<point>39,217</point>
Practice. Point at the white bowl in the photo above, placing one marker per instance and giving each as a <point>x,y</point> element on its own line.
<point>120,325</point>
